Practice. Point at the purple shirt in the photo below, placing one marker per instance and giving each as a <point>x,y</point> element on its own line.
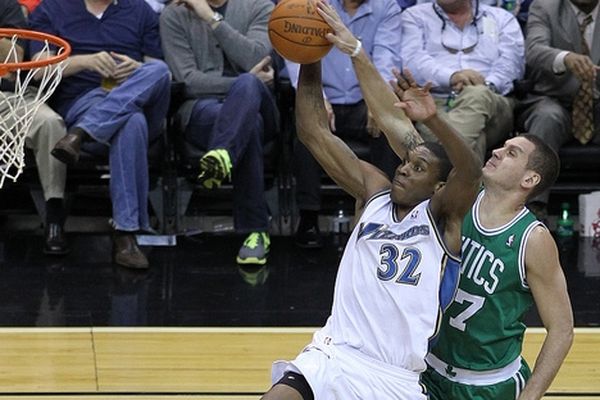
<point>127,27</point>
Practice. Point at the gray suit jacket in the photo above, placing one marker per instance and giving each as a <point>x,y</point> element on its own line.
<point>551,28</point>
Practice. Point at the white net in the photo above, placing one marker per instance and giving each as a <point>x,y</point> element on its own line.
<point>18,107</point>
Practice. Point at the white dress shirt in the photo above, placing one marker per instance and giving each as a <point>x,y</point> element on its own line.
<point>492,44</point>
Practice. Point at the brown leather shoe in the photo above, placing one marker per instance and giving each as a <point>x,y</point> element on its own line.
<point>67,148</point>
<point>127,253</point>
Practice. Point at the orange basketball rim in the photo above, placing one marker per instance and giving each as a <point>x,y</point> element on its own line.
<point>63,52</point>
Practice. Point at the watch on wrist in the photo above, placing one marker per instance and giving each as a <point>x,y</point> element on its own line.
<point>491,86</point>
<point>217,17</point>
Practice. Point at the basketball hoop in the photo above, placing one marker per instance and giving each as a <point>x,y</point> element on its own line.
<point>34,82</point>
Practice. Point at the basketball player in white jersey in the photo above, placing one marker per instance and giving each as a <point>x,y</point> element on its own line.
<point>477,351</point>
<point>400,257</point>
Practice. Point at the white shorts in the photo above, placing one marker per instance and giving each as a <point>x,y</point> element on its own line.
<point>341,373</point>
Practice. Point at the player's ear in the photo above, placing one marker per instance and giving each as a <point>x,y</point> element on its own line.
<point>438,186</point>
<point>531,179</point>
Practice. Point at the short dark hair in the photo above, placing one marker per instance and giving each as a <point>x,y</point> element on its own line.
<point>545,162</point>
<point>444,161</point>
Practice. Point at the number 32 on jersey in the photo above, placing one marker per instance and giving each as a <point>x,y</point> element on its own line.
<point>404,266</point>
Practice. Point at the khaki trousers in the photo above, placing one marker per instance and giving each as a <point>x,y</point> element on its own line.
<point>482,117</point>
<point>46,129</point>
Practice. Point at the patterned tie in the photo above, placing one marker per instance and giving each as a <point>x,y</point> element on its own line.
<point>583,117</point>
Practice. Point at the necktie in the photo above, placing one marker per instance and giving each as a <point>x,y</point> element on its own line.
<point>583,117</point>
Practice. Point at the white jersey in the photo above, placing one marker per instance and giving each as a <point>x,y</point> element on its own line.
<point>387,295</point>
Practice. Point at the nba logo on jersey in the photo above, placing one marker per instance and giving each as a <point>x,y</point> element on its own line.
<point>510,240</point>
<point>414,214</point>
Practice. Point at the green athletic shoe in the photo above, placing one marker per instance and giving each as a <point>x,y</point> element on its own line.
<point>255,249</point>
<point>215,167</point>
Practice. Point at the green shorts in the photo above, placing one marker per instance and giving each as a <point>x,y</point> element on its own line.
<point>440,388</point>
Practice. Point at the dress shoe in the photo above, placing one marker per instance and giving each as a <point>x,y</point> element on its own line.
<point>127,253</point>
<point>56,242</point>
<point>67,148</point>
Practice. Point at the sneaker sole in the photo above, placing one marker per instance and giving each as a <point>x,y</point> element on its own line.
<point>251,260</point>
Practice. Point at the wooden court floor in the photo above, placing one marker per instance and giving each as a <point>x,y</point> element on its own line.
<point>199,363</point>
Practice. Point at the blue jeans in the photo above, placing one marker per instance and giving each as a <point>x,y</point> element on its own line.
<point>240,124</point>
<point>123,122</point>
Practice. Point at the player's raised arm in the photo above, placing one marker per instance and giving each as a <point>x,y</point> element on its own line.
<point>360,179</point>
<point>378,95</point>
<point>449,204</point>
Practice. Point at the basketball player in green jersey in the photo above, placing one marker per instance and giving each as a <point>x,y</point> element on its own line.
<point>509,261</point>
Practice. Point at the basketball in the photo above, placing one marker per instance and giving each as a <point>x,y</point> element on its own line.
<point>297,31</point>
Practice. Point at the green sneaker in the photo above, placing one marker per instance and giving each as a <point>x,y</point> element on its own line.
<point>255,249</point>
<point>215,167</point>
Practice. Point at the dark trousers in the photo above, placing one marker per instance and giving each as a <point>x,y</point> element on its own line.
<point>240,124</point>
<point>351,126</point>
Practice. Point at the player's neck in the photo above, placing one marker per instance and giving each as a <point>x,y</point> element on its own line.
<point>402,211</point>
<point>498,207</point>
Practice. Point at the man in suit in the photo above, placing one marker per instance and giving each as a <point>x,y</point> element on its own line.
<point>563,50</point>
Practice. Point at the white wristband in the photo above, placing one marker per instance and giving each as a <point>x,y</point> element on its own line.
<point>357,49</point>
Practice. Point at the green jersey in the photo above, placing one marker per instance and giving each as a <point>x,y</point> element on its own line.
<point>483,327</point>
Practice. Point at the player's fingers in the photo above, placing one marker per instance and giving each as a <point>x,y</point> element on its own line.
<point>329,15</point>
<point>332,39</point>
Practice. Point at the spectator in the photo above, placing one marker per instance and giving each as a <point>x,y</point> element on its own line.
<point>518,8</point>
<point>45,131</point>
<point>378,24</point>
<point>28,6</point>
<point>220,50</point>
<point>513,6</point>
<point>114,44</point>
<point>472,54</point>
<point>563,51</point>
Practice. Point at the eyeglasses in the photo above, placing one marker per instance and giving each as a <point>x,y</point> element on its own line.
<point>453,50</point>
<point>465,50</point>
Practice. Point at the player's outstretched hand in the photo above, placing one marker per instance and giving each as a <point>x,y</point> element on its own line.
<point>416,101</point>
<point>342,38</point>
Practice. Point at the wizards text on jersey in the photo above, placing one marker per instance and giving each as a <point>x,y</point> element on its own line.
<point>373,231</point>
